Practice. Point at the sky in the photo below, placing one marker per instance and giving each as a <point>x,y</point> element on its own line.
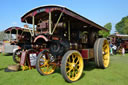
<point>99,11</point>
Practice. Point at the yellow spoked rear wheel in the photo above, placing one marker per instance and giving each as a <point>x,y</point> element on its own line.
<point>43,64</point>
<point>101,53</point>
<point>105,53</point>
<point>72,66</point>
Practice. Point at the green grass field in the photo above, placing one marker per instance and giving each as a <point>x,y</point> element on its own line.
<point>116,74</point>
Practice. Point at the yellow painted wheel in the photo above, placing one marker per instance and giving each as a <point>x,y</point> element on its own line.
<point>72,66</point>
<point>105,53</point>
<point>17,56</point>
<point>43,64</point>
<point>102,53</point>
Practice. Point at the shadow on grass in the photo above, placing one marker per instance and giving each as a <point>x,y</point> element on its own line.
<point>83,74</point>
<point>2,69</point>
<point>89,65</point>
<point>7,54</point>
<point>58,70</point>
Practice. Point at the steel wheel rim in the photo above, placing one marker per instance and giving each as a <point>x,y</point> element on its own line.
<point>105,53</point>
<point>45,66</point>
<point>74,66</point>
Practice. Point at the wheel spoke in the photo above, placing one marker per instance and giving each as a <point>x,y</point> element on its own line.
<point>69,60</point>
<point>105,57</point>
<point>69,63</point>
<point>73,73</point>
<point>42,69</point>
<point>105,46</point>
<point>77,61</point>
<point>69,70</point>
<point>68,66</point>
<point>106,50</point>
<point>42,66</point>
<point>74,58</point>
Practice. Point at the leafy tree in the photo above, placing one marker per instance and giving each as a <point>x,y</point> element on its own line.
<point>3,36</point>
<point>104,33</point>
<point>122,26</point>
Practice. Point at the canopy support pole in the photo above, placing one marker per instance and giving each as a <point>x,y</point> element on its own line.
<point>57,22</point>
<point>69,30</point>
<point>10,36</point>
<point>17,34</point>
<point>50,23</point>
<point>33,21</point>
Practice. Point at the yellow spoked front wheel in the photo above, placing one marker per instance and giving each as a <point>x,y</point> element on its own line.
<point>101,53</point>
<point>72,66</point>
<point>43,64</point>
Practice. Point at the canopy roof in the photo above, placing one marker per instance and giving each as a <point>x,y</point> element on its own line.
<point>43,11</point>
<point>14,29</point>
<point>119,35</point>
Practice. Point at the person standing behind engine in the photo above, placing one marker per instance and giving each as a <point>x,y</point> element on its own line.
<point>111,50</point>
<point>123,51</point>
<point>114,49</point>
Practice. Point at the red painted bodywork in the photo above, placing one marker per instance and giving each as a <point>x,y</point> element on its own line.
<point>85,53</point>
<point>125,44</point>
<point>26,58</point>
<point>40,36</point>
<point>23,58</point>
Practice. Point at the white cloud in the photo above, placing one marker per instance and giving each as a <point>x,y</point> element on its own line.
<point>14,23</point>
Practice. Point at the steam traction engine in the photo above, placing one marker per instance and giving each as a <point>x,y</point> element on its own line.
<point>25,55</point>
<point>63,39</point>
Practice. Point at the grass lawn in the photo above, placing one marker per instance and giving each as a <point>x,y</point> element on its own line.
<point>116,74</point>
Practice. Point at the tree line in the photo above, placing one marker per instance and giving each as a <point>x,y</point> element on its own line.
<point>121,27</point>
<point>4,36</point>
